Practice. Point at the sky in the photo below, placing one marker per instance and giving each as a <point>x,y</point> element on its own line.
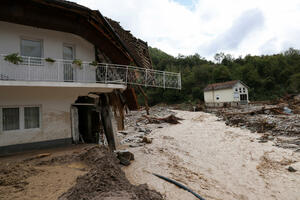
<point>207,27</point>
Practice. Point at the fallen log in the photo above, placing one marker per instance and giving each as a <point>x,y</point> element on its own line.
<point>171,119</point>
<point>275,109</point>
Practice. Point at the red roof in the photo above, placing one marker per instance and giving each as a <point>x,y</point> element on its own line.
<point>224,85</point>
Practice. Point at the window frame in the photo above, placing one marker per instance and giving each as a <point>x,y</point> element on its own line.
<point>21,118</point>
<point>35,40</point>
<point>1,118</point>
<point>73,46</point>
<point>42,50</point>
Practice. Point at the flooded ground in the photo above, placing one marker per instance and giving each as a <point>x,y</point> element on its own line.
<point>217,161</point>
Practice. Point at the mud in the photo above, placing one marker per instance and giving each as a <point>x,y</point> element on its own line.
<point>217,161</point>
<point>106,180</point>
<point>79,172</point>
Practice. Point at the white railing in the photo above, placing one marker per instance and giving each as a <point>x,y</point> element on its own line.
<point>39,69</point>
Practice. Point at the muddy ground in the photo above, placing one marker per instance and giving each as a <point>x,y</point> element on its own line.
<point>77,172</point>
<point>217,161</point>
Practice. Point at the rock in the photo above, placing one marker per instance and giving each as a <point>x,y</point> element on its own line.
<point>125,157</point>
<point>291,169</point>
<point>147,140</point>
<point>297,150</point>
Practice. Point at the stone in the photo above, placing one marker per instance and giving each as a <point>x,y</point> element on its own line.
<point>147,140</point>
<point>291,169</point>
<point>125,157</point>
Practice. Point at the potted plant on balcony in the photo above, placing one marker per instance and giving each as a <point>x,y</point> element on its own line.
<point>78,63</point>
<point>94,63</point>
<point>50,60</point>
<point>13,58</point>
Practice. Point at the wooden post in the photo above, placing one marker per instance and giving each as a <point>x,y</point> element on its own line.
<point>106,117</point>
<point>145,99</point>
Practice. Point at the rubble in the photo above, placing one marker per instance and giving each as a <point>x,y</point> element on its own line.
<point>138,125</point>
<point>279,123</point>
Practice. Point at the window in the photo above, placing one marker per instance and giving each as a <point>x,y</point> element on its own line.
<point>10,119</point>
<point>31,48</point>
<point>244,90</point>
<point>217,97</point>
<point>31,117</point>
<point>243,97</point>
<point>20,118</point>
<point>240,89</point>
<point>236,89</point>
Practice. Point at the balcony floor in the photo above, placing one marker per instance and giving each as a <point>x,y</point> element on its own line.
<point>99,86</point>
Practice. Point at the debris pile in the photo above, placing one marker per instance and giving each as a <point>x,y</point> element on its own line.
<point>138,126</point>
<point>280,122</point>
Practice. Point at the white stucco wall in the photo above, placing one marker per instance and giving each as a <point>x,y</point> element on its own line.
<point>225,95</point>
<point>11,34</point>
<point>55,105</point>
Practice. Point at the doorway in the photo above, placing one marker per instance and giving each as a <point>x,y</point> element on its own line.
<point>68,56</point>
<point>87,126</point>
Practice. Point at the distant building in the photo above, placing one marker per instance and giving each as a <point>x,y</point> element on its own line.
<point>231,93</point>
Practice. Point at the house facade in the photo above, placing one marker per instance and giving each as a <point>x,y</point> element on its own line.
<point>61,66</point>
<point>231,93</point>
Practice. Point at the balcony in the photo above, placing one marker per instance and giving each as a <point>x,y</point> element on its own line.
<point>42,70</point>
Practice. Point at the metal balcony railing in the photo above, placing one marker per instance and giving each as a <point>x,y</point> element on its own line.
<point>39,69</point>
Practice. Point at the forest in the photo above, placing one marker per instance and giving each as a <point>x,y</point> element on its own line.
<point>269,77</point>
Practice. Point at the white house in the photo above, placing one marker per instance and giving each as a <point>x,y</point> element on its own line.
<point>59,62</point>
<point>231,93</point>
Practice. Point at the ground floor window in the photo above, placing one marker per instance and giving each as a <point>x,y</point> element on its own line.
<point>20,117</point>
<point>32,117</point>
<point>11,119</point>
<point>243,97</point>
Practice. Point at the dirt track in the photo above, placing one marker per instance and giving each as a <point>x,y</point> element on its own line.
<point>216,161</point>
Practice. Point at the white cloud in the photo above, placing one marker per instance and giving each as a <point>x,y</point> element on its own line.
<point>238,27</point>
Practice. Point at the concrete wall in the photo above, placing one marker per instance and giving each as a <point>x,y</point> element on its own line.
<point>11,34</point>
<point>55,105</point>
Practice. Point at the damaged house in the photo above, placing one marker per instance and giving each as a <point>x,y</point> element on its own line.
<point>66,74</point>
<point>230,93</point>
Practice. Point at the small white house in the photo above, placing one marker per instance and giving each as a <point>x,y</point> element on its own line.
<point>231,93</point>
